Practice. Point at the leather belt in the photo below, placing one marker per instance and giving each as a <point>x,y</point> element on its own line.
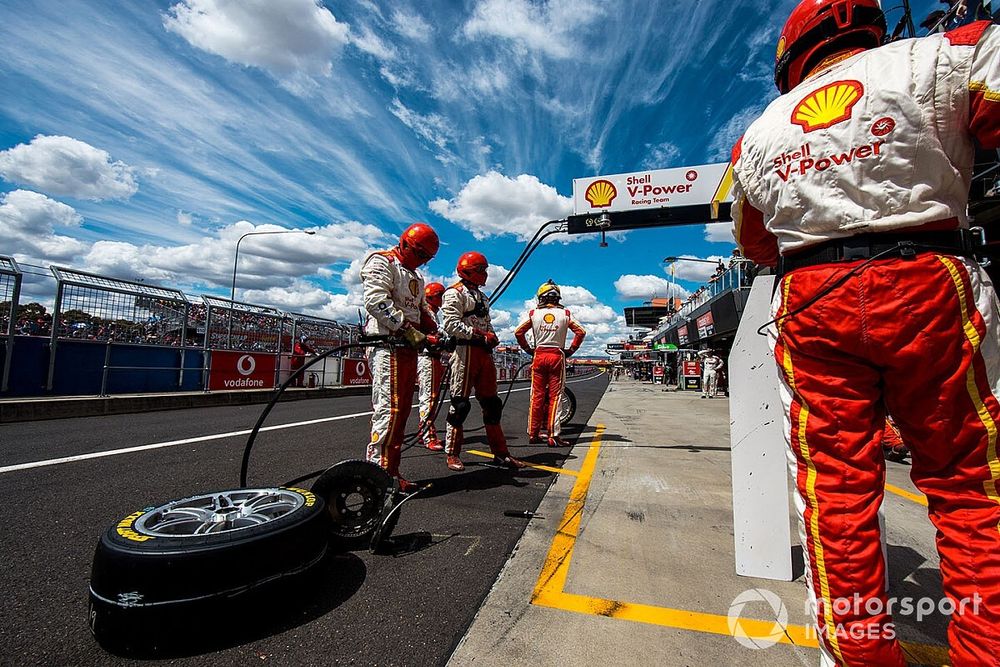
<point>961,242</point>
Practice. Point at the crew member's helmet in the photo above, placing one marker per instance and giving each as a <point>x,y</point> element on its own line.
<point>472,267</point>
<point>433,293</point>
<point>548,293</point>
<point>818,28</point>
<point>417,245</point>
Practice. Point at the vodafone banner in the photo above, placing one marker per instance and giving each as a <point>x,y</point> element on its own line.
<point>683,186</point>
<point>239,370</point>
<point>356,371</point>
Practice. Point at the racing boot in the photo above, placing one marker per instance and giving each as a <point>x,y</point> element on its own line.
<point>556,441</point>
<point>535,439</point>
<point>498,445</point>
<point>430,438</point>
<point>454,437</point>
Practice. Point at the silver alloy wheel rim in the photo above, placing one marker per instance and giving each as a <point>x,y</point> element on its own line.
<point>564,407</point>
<point>221,512</point>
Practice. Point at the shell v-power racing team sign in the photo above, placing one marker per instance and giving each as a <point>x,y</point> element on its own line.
<point>655,198</point>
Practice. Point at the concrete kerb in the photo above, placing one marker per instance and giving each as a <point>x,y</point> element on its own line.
<point>640,571</point>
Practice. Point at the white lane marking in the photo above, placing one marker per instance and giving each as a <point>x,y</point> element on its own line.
<point>171,443</point>
<point>188,441</point>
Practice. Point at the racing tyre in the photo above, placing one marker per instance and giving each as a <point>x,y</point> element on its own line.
<point>356,493</point>
<point>159,565</point>
<point>567,406</point>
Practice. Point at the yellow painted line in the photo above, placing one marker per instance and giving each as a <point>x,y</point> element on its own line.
<point>918,498</point>
<point>536,466</point>
<point>549,590</point>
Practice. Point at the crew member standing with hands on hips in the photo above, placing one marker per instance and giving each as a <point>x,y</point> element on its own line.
<point>549,324</point>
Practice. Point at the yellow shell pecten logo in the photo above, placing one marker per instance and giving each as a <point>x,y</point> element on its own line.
<point>549,318</point>
<point>601,193</point>
<point>827,106</point>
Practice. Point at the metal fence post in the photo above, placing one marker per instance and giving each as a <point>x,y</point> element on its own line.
<point>104,375</point>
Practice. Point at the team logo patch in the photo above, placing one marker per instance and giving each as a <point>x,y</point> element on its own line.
<point>414,288</point>
<point>549,318</point>
<point>827,106</point>
<point>883,126</point>
<point>601,193</point>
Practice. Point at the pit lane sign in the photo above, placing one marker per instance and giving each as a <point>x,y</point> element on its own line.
<point>238,370</point>
<point>684,195</point>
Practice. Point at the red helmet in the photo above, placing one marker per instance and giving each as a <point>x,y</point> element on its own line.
<point>472,267</point>
<point>817,28</point>
<point>433,292</point>
<point>417,245</point>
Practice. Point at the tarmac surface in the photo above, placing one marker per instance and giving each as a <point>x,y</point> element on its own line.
<point>630,559</point>
<point>407,608</point>
<point>627,559</point>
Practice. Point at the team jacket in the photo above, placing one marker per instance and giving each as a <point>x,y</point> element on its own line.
<point>549,327</point>
<point>464,307</point>
<point>881,141</point>
<point>393,294</point>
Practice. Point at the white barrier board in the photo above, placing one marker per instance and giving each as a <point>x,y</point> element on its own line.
<point>761,522</point>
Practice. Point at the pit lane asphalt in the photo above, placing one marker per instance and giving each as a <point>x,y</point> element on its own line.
<point>407,608</point>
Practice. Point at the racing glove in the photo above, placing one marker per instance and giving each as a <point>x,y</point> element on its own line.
<point>414,337</point>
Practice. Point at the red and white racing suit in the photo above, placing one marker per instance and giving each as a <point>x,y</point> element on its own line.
<point>880,143</point>
<point>549,325</point>
<point>464,311</point>
<point>393,295</point>
<point>430,373</point>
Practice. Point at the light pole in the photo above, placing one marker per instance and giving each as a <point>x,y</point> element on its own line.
<point>236,260</point>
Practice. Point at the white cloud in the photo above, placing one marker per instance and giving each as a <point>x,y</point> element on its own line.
<point>28,221</point>
<point>432,128</point>
<point>493,205</point>
<point>697,271</point>
<point>719,232</point>
<point>67,167</point>
<point>645,287</point>
<point>552,28</point>
<point>265,262</point>
<point>284,38</point>
<point>373,45</point>
<point>412,26</point>
<point>661,156</point>
<point>724,138</point>
<point>184,218</point>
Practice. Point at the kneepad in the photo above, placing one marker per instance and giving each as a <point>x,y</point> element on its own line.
<point>492,409</point>
<point>460,406</point>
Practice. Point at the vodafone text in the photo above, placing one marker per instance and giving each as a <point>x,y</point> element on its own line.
<point>800,161</point>
<point>242,382</point>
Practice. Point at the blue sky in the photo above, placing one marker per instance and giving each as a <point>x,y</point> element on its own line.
<point>141,139</point>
